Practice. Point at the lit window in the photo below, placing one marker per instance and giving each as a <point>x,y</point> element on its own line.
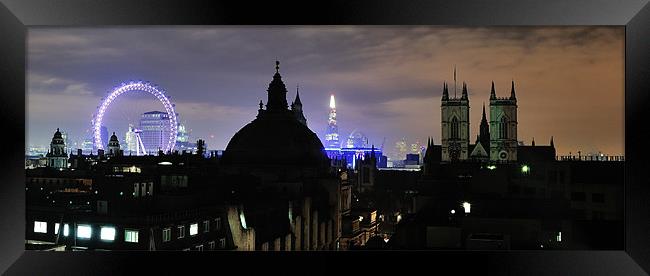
<point>84,231</point>
<point>66,230</point>
<point>206,226</point>
<point>181,231</point>
<point>107,233</point>
<point>131,235</point>
<point>194,229</point>
<point>467,206</point>
<point>558,237</point>
<point>56,228</point>
<point>167,234</point>
<point>40,227</point>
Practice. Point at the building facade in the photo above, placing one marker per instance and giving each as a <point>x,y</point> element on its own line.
<point>57,156</point>
<point>503,126</point>
<point>155,130</point>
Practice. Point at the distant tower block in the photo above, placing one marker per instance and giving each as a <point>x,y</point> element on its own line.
<point>455,125</point>
<point>503,126</point>
<point>332,134</point>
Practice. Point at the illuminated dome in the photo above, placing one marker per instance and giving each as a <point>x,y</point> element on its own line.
<point>275,137</point>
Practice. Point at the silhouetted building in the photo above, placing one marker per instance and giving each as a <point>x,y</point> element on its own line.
<point>57,157</point>
<point>496,141</point>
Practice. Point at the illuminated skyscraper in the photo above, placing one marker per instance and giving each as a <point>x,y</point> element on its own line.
<point>332,134</point>
<point>155,130</point>
<point>87,146</point>
<point>183,136</point>
<point>131,141</point>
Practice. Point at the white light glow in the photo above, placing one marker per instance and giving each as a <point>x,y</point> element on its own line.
<point>40,227</point>
<point>453,211</point>
<point>84,231</point>
<point>56,228</point>
<point>194,229</point>
<point>66,230</point>
<point>332,102</point>
<point>165,163</point>
<point>467,206</point>
<point>107,233</point>
<point>242,218</point>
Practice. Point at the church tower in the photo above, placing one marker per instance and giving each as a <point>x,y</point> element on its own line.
<point>503,126</point>
<point>296,108</point>
<point>57,157</point>
<point>455,125</point>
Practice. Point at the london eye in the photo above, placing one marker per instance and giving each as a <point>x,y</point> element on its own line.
<point>136,86</point>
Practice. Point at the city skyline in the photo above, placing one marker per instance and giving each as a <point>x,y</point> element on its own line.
<point>387,80</point>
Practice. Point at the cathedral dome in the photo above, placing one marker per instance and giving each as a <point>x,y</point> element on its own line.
<point>275,137</point>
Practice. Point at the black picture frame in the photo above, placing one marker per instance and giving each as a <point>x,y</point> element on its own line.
<point>18,15</point>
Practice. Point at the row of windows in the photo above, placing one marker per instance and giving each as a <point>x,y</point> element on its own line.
<point>55,181</point>
<point>108,233</point>
<point>194,229</point>
<point>85,231</point>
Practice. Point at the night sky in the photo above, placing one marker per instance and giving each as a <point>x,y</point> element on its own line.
<point>387,80</point>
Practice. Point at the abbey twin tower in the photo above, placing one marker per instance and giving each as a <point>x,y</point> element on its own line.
<point>496,141</point>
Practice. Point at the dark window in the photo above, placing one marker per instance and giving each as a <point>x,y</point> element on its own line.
<point>578,196</point>
<point>503,128</point>
<point>598,197</point>
<point>454,128</point>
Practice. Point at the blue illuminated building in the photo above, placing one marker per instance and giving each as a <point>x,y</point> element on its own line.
<point>351,155</point>
<point>354,149</point>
